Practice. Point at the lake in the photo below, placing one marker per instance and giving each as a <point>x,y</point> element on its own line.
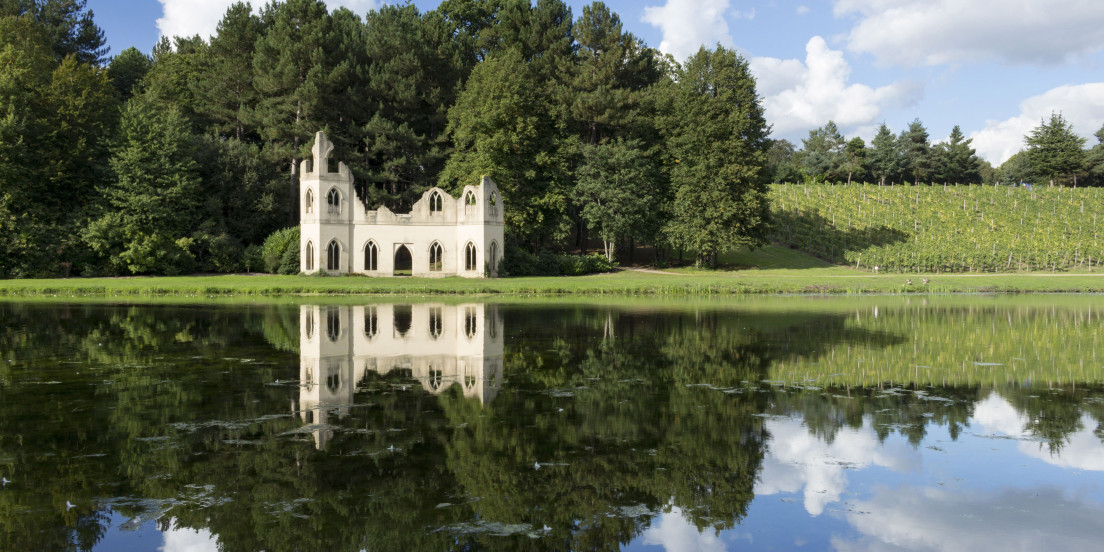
<point>767,423</point>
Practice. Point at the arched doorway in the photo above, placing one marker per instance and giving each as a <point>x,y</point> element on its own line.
<point>404,263</point>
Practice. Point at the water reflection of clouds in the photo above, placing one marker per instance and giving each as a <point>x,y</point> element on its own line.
<point>798,460</point>
<point>186,539</point>
<point>675,533</point>
<point>1083,450</point>
<point>1007,520</point>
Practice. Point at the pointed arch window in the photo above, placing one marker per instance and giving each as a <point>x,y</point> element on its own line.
<point>436,377</point>
<point>492,205</point>
<point>333,323</point>
<point>435,322</point>
<point>470,322</point>
<point>371,322</point>
<point>436,256</point>
<point>310,257</point>
<point>371,256</point>
<point>309,201</point>
<point>333,256</point>
<point>492,259</point>
<point>436,203</point>
<point>309,324</point>
<point>333,201</point>
<point>333,376</point>
<point>470,207</point>
<point>470,257</point>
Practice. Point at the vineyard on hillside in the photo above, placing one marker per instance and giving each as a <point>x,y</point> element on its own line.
<point>942,228</point>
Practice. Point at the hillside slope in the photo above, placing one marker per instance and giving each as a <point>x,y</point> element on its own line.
<point>942,228</point>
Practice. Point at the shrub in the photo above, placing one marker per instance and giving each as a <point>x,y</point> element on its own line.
<point>275,248</point>
<point>289,263</point>
<point>520,262</point>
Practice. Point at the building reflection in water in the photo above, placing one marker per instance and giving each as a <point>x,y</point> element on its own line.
<point>436,345</point>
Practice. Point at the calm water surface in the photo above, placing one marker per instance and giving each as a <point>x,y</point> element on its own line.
<point>877,423</point>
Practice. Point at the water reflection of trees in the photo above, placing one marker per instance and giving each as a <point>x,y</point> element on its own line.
<point>607,417</point>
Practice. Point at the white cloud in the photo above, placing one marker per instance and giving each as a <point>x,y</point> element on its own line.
<point>191,17</point>
<point>935,32</point>
<point>1080,104</point>
<point>188,540</point>
<point>1010,520</point>
<point>687,25</point>
<point>800,96</point>
<point>675,533</point>
<point>797,460</point>
<point>1083,450</point>
<point>802,9</point>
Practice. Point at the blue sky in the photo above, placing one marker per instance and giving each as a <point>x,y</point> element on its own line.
<point>994,67</point>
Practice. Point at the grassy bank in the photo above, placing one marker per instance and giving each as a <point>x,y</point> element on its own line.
<point>833,280</point>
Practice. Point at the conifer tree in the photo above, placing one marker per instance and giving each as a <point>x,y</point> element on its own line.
<point>153,205</point>
<point>885,160</point>
<point>1055,151</point>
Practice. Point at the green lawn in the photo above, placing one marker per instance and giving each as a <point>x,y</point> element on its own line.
<point>780,271</point>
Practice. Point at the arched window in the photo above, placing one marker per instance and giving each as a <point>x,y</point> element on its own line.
<point>333,201</point>
<point>309,324</point>
<point>470,208</point>
<point>333,256</point>
<point>333,376</point>
<point>470,257</point>
<point>309,201</point>
<point>310,256</point>
<point>371,322</point>
<point>492,205</point>
<point>492,260</point>
<point>435,378</point>
<point>435,325</point>
<point>435,257</point>
<point>371,257</point>
<point>436,204</point>
<point>470,321</point>
<point>333,323</point>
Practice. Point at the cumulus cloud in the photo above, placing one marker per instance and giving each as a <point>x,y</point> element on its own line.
<point>937,520</point>
<point>797,460</point>
<point>1083,450</point>
<point>675,533</point>
<point>191,17</point>
<point>800,96</point>
<point>188,540</point>
<point>690,24</point>
<point>1081,104</point>
<point>936,32</point>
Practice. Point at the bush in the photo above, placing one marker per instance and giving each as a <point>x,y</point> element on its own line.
<point>289,263</point>
<point>275,247</point>
<point>546,263</point>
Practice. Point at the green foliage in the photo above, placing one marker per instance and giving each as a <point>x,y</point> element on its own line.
<point>943,228</point>
<point>253,258</point>
<point>619,188</point>
<point>501,128</point>
<point>1054,151</point>
<point>718,137</point>
<point>127,69</point>
<point>520,262</point>
<point>276,245</point>
<point>67,26</point>
<point>289,261</point>
<point>152,208</point>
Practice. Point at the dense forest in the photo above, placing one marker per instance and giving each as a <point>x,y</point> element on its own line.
<point>186,160</point>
